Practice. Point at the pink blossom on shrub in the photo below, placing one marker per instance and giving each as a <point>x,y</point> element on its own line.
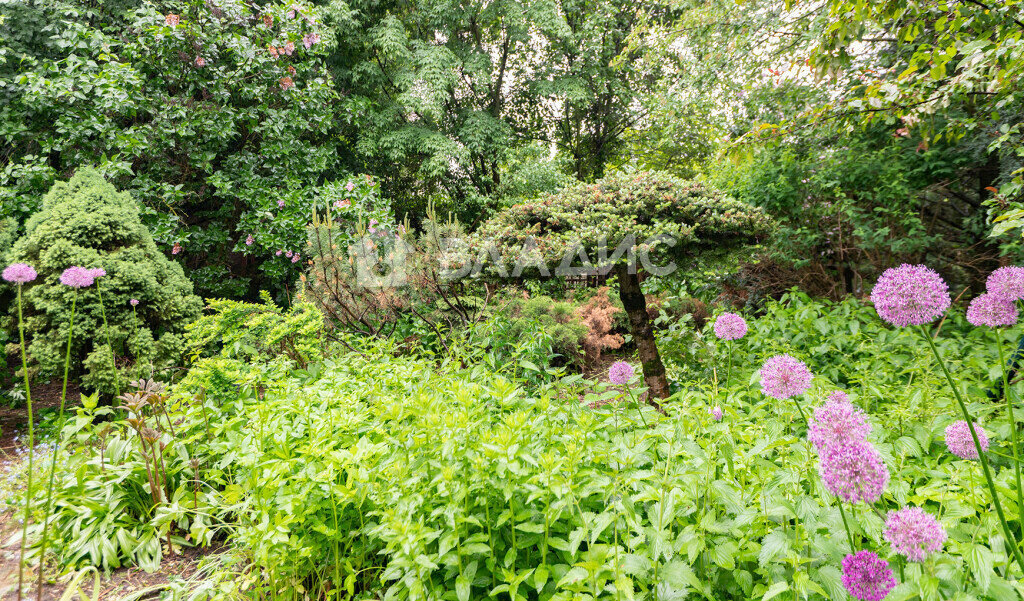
<point>992,310</point>
<point>914,533</point>
<point>730,326</point>
<point>716,413</point>
<point>172,20</point>
<point>249,240</point>
<point>959,440</point>
<point>783,376</point>
<point>910,295</point>
<point>867,577</point>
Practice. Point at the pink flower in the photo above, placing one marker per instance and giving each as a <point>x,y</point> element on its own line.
<point>853,471</point>
<point>279,252</point>
<point>839,395</point>
<point>249,240</point>
<point>910,295</point>
<point>992,310</point>
<point>291,14</point>
<point>97,272</point>
<point>134,302</point>
<point>783,377</point>
<point>176,248</point>
<point>730,326</point>
<point>914,533</point>
<point>286,82</point>
<point>959,440</point>
<point>77,277</point>
<point>19,273</point>
<point>1007,282</point>
<point>620,372</point>
<point>200,61</point>
<point>309,39</point>
<point>289,254</point>
<point>837,422</point>
<point>171,20</point>
<point>867,576</point>
<point>289,48</point>
<point>716,413</point>
<point>350,186</point>
<point>280,204</point>
<point>295,258</point>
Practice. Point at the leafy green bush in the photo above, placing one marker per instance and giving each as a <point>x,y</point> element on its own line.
<point>87,222</point>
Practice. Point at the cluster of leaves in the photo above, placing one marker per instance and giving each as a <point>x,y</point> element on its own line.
<point>376,475</point>
<point>86,222</point>
<point>211,114</point>
<point>666,216</point>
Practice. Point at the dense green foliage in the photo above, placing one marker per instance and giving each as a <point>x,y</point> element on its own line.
<point>333,477</point>
<point>87,222</point>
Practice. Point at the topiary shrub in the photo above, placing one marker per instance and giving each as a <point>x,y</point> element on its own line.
<point>87,222</point>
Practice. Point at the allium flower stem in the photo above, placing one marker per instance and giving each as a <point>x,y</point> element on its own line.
<point>1012,541</point>
<point>113,361</point>
<point>637,403</point>
<point>31,445</point>
<point>997,332</point>
<point>56,450</point>
<point>849,534</point>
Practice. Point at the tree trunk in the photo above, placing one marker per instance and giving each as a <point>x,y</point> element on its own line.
<point>643,333</point>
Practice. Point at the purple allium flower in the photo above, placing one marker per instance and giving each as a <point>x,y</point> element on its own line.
<point>914,533</point>
<point>620,372</point>
<point>959,440</point>
<point>992,310</point>
<point>839,396</point>
<point>730,326</point>
<point>910,295</point>
<point>134,302</point>
<point>19,273</point>
<point>249,240</point>
<point>867,576</point>
<point>853,471</point>
<point>716,413</point>
<point>98,272</point>
<point>1007,282</point>
<point>837,422</point>
<point>77,277</point>
<point>783,376</point>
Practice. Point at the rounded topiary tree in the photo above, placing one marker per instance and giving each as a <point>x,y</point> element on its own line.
<point>87,222</point>
<point>625,223</point>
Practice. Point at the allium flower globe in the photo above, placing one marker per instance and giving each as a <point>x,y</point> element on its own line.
<point>959,440</point>
<point>910,295</point>
<point>1007,282</point>
<point>716,413</point>
<point>730,326</point>
<point>839,396</point>
<point>19,273</point>
<point>853,471</point>
<point>77,277</point>
<point>783,377</point>
<point>914,533</point>
<point>992,310</point>
<point>134,302</point>
<point>98,272</point>
<point>837,422</point>
<point>867,577</point>
<point>620,372</point>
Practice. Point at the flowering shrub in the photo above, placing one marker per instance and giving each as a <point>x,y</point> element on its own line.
<point>87,222</point>
<point>186,110</point>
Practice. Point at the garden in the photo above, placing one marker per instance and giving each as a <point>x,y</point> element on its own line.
<point>513,299</point>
